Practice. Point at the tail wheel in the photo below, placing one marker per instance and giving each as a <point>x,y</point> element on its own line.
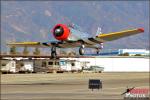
<point>81,51</point>
<point>97,51</point>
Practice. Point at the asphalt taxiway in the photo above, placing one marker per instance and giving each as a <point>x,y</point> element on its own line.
<point>68,86</point>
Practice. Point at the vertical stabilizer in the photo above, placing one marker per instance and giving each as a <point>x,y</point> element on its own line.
<point>98,31</point>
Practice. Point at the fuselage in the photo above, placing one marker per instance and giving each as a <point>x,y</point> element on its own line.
<point>64,32</point>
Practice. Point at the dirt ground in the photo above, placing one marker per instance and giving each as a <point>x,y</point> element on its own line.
<point>69,86</point>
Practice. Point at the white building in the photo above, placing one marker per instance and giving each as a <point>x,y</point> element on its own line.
<point>118,64</point>
<point>131,52</point>
<point>110,64</point>
<point>134,51</point>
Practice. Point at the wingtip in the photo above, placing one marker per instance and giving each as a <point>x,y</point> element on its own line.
<point>141,29</point>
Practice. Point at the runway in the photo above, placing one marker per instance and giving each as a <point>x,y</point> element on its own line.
<point>69,86</point>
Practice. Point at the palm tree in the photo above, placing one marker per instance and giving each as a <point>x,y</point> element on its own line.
<point>13,50</point>
<point>25,51</point>
<point>36,51</point>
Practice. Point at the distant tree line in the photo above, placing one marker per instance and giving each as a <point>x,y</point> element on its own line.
<point>37,51</point>
<point>62,53</point>
<point>127,54</point>
<point>25,51</point>
<point>68,53</point>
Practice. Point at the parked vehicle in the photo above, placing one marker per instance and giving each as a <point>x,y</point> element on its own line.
<point>7,66</point>
<point>96,69</point>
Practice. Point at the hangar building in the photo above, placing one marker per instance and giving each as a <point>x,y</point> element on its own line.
<point>131,52</point>
<point>118,63</point>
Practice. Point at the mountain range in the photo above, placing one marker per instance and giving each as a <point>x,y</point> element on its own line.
<point>33,20</point>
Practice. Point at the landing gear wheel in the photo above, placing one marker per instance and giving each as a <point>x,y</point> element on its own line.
<point>81,51</point>
<point>53,55</point>
<point>53,52</point>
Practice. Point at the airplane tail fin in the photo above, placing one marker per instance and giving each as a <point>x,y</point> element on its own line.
<point>99,31</point>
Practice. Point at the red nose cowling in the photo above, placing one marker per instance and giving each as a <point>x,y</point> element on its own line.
<point>66,32</point>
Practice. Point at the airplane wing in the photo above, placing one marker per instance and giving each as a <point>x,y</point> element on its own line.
<point>88,42</point>
<point>101,38</point>
<point>29,44</point>
<point>117,35</point>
